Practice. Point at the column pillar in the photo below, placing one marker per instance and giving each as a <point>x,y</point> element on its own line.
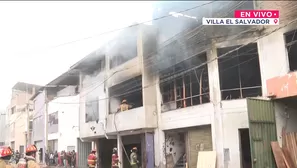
<point>159,136</point>
<point>120,150</point>
<point>215,98</point>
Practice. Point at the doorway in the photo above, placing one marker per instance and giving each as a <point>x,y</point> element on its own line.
<point>245,149</point>
<point>128,148</point>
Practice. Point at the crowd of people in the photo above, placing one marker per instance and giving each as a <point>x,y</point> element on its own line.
<point>66,159</point>
<point>26,161</point>
<point>11,157</point>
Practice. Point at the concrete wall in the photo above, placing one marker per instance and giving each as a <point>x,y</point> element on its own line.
<point>174,146</point>
<point>173,119</point>
<point>2,126</point>
<point>17,128</point>
<point>286,117</point>
<point>68,113</point>
<point>234,117</point>
<point>38,117</point>
<point>143,117</point>
<point>92,84</point>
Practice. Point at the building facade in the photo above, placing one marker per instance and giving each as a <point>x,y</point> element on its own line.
<point>63,120</point>
<point>3,137</point>
<point>18,114</point>
<point>207,94</point>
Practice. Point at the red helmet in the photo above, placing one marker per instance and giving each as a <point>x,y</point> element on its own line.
<point>31,148</point>
<point>5,151</point>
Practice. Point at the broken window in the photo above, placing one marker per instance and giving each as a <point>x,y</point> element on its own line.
<point>130,90</point>
<point>291,45</point>
<point>239,72</point>
<point>185,84</point>
<point>92,108</point>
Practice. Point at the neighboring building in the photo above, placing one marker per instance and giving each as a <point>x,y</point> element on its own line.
<point>38,120</point>
<point>3,136</point>
<point>19,111</point>
<point>63,120</point>
<point>60,99</point>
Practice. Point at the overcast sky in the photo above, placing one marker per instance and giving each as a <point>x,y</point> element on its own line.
<point>31,31</point>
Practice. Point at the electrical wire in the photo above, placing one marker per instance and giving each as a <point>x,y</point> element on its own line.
<point>237,5</point>
<point>134,25</point>
<point>205,63</point>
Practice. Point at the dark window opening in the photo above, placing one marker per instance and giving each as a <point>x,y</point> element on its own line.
<point>239,71</point>
<point>92,108</point>
<point>245,149</point>
<point>291,45</point>
<point>13,110</point>
<point>130,90</point>
<point>185,84</point>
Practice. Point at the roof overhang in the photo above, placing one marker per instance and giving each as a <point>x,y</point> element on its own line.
<point>22,86</point>
<point>90,60</point>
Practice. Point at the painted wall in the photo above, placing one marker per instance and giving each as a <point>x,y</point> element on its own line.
<point>68,114</point>
<point>173,119</point>
<point>2,127</point>
<point>38,117</point>
<point>234,116</point>
<point>17,128</point>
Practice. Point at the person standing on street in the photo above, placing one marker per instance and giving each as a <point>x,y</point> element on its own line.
<point>31,157</point>
<point>17,156</point>
<point>92,159</point>
<point>115,158</point>
<point>133,158</point>
<point>5,156</point>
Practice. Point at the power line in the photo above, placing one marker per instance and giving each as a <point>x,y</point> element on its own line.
<point>134,25</point>
<point>207,62</point>
<point>154,52</point>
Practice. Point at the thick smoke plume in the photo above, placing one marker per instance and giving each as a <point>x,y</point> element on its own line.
<point>191,21</point>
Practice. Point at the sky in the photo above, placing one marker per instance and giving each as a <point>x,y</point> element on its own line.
<point>34,36</point>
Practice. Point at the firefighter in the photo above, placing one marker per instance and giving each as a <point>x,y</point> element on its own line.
<point>92,159</point>
<point>133,158</point>
<point>5,156</point>
<point>115,158</point>
<point>31,151</point>
<point>124,106</point>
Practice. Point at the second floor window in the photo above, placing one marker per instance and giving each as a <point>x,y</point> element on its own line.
<point>91,109</point>
<point>239,71</point>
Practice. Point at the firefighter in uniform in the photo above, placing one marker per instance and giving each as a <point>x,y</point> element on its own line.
<point>92,159</point>
<point>124,106</point>
<point>133,158</point>
<point>115,158</point>
<point>30,157</point>
<point>5,156</point>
